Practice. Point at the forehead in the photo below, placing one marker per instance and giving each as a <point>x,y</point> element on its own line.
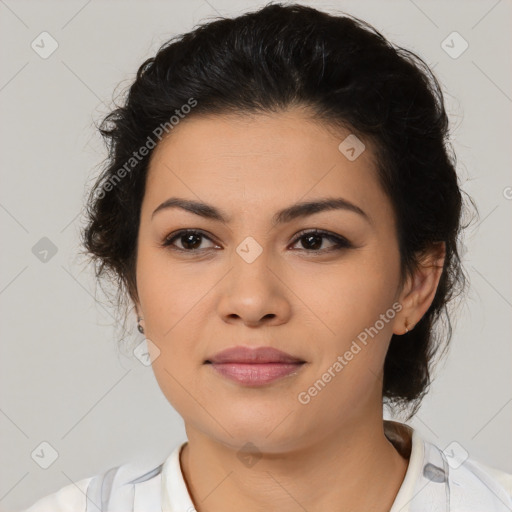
<point>245,161</point>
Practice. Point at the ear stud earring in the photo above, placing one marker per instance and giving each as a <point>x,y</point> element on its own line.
<point>139,327</point>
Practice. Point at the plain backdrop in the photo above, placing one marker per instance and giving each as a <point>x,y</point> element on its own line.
<point>63,380</point>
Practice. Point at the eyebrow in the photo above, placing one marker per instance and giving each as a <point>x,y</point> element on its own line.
<point>285,215</point>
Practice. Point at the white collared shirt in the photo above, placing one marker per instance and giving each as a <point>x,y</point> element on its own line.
<point>435,480</point>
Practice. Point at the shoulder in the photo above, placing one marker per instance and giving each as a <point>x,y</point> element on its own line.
<point>485,487</point>
<point>501,477</point>
<point>446,479</point>
<point>115,489</point>
<point>70,497</point>
<point>471,484</point>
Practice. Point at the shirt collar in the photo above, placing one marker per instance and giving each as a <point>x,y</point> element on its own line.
<point>410,445</point>
<point>407,441</point>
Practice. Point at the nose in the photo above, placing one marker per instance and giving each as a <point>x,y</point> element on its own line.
<point>254,293</point>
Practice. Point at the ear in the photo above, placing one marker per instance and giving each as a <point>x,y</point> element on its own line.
<point>420,289</point>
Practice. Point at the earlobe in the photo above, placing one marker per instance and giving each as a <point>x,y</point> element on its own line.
<point>403,327</point>
<point>140,327</point>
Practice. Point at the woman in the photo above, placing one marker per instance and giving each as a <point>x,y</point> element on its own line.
<point>282,211</point>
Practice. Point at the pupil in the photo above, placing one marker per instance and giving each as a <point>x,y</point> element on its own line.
<point>313,245</point>
<point>188,244</point>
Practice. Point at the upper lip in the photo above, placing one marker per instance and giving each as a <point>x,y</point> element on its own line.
<point>256,355</point>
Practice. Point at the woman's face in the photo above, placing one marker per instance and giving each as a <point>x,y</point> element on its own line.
<point>247,281</point>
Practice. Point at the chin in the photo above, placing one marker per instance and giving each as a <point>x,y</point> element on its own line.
<point>272,429</point>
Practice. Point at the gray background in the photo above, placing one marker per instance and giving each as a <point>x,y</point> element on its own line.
<point>64,381</point>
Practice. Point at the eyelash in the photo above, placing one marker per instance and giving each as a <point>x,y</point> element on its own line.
<point>339,241</point>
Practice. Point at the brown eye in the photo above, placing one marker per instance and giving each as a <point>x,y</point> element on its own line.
<point>312,241</point>
<point>190,241</point>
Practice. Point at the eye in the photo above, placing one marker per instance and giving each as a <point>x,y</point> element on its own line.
<point>312,241</point>
<point>190,239</point>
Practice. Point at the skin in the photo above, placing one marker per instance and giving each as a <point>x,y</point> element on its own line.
<point>309,304</point>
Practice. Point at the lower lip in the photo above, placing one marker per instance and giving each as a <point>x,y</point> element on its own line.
<point>256,374</point>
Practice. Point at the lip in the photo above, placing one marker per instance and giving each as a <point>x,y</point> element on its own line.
<point>254,366</point>
<point>247,355</point>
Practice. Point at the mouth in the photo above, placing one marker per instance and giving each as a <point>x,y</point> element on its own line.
<point>254,366</point>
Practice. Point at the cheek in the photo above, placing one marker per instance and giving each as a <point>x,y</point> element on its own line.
<point>350,296</point>
<point>169,293</point>
<point>171,380</point>
<point>358,312</point>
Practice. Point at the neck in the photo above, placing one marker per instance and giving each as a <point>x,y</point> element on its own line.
<point>330,474</point>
